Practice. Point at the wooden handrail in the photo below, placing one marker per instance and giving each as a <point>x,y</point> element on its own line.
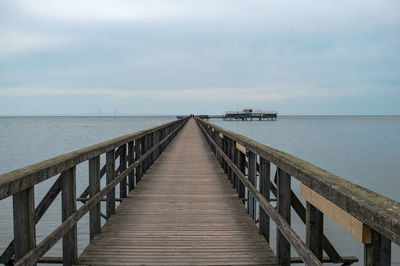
<point>306,254</point>
<point>380,213</point>
<point>34,254</point>
<point>148,145</point>
<point>23,178</point>
<point>375,217</point>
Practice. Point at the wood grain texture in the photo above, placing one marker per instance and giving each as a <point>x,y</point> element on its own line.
<point>183,212</point>
<point>23,178</point>
<point>380,213</point>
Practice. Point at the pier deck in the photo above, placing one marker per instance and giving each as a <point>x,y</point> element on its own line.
<point>183,212</point>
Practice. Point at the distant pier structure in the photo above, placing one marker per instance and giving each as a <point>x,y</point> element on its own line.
<point>245,114</point>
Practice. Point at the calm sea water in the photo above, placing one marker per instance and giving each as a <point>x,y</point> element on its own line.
<point>364,150</point>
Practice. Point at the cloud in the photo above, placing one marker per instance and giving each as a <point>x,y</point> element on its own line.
<point>275,15</point>
<point>205,94</point>
<point>18,41</point>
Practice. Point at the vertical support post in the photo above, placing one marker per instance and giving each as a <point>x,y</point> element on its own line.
<point>24,226</point>
<point>265,184</point>
<point>131,159</point>
<point>122,166</point>
<point>314,230</point>
<point>231,153</point>
<point>94,188</point>
<point>110,174</point>
<point>138,170</point>
<point>68,204</point>
<point>143,151</point>
<point>283,204</point>
<point>378,252</point>
<point>235,161</point>
<point>252,176</point>
<point>242,167</point>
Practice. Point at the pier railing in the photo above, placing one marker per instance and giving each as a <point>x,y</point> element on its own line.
<point>136,153</point>
<point>373,219</point>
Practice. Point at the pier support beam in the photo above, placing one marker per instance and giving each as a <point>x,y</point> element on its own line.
<point>110,174</point>
<point>94,188</point>
<point>283,204</point>
<point>68,203</point>
<point>24,226</point>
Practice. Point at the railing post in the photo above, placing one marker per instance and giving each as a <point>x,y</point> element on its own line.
<point>283,204</point>
<point>94,188</point>
<point>143,151</point>
<point>314,230</point>
<point>265,184</point>
<point>378,252</point>
<point>122,166</point>
<point>242,167</point>
<point>235,161</point>
<point>110,174</point>
<point>231,156</point>
<point>138,170</point>
<point>68,203</point>
<point>252,176</point>
<point>24,225</point>
<point>131,159</point>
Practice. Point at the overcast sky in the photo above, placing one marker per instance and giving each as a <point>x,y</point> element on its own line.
<point>208,56</point>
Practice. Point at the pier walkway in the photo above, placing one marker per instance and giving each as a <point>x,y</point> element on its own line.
<point>181,188</point>
<point>183,212</point>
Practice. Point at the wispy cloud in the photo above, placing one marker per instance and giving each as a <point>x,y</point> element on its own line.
<point>205,94</point>
<point>19,41</point>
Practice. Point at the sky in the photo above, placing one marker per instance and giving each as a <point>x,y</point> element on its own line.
<point>169,57</point>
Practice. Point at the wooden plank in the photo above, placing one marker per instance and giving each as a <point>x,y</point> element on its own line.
<point>378,252</point>
<point>349,223</point>
<point>241,148</point>
<point>24,226</point>
<point>138,170</point>
<point>314,230</point>
<point>110,174</point>
<point>68,202</point>
<point>283,206</point>
<point>265,184</point>
<point>378,212</point>
<point>183,212</point>
<point>301,212</point>
<point>122,166</point>
<point>307,256</point>
<point>252,175</point>
<point>94,188</point>
<point>131,159</point>
<point>23,178</point>
<point>37,252</point>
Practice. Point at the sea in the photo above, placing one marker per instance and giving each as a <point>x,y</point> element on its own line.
<point>362,149</point>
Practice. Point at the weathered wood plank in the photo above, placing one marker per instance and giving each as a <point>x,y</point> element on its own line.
<point>68,202</point>
<point>23,178</point>
<point>314,230</point>
<point>349,223</point>
<point>94,188</point>
<point>34,254</point>
<point>377,211</point>
<point>24,225</point>
<point>265,184</point>
<point>307,256</point>
<point>184,211</point>
<point>131,159</point>
<point>283,206</point>
<point>122,166</point>
<point>110,174</point>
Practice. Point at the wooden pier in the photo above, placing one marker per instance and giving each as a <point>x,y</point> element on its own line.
<point>183,212</point>
<point>193,193</point>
